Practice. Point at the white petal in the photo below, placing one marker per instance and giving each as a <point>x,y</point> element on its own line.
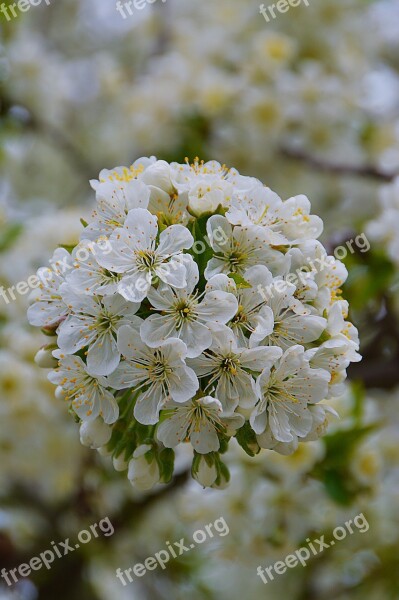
<point>206,439</point>
<point>218,306</point>
<point>219,233</point>
<point>183,384</point>
<point>173,430</point>
<point>142,228</point>
<point>148,406</point>
<point>127,375</point>
<point>174,239</point>
<point>130,343</point>
<point>173,273</point>
<point>103,356</point>
<point>279,422</point>
<point>74,334</point>
<point>109,407</point>
<point>158,328</point>
<point>215,266</point>
<point>134,287</point>
<point>196,336</point>
<point>257,359</point>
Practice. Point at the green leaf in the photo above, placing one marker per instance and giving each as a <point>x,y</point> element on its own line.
<point>166,464</point>
<point>336,487</point>
<point>201,251</point>
<point>68,247</point>
<point>341,444</point>
<point>9,235</point>
<point>240,282</point>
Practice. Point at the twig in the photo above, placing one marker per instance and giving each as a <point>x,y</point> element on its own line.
<point>336,168</point>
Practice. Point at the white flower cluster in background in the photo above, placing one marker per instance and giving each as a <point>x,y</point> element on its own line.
<point>314,82</point>
<point>197,307</point>
<point>385,228</point>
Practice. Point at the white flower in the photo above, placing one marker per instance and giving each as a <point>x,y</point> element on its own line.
<point>186,176</point>
<point>88,393</point>
<point>284,392</point>
<point>335,356</point>
<point>95,434</point>
<point>200,420</point>
<point>93,324</point>
<point>123,174</point>
<point>87,276</point>
<point>231,368</point>
<point>287,222</point>
<point>259,206</point>
<point>143,468</point>
<point>186,315</point>
<point>284,321</point>
<point>320,415</point>
<point>136,254</point>
<point>172,207</point>
<point>338,328</point>
<point>114,201</point>
<point>385,228</point>
<point>204,196</point>
<point>159,373</point>
<point>251,323</point>
<point>236,249</point>
<point>49,308</point>
<point>158,175</point>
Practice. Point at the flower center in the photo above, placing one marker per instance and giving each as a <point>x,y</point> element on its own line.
<point>230,364</point>
<point>106,321</point>
<point>240,317</point>
<point>159,369</point>
<point>147,259</point>
<point>236,259</point>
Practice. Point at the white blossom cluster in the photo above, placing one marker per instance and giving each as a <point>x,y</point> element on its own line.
<point>385,228</point>
<point>197,306</point>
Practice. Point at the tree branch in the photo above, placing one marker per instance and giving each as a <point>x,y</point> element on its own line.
<point>337,168</point>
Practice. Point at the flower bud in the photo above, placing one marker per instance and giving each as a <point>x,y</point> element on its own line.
<point>95,434</point>
<point>143,468</point>
<point>158,175</point>
<point>60,393</point>
<point>120,464</point>
<point>204,199</point>
<point>104,451</point>
<point>45,359</point>
<point>205,471</point>
<point>222,483</point>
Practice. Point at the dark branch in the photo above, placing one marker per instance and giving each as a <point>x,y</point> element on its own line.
<point>336,168</point>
